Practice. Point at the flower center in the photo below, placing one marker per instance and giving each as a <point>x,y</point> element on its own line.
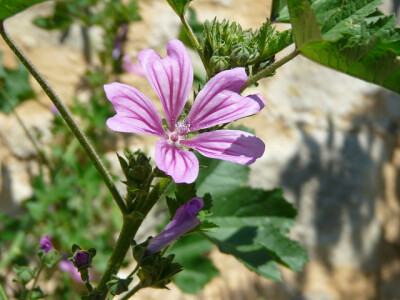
<point>181,129</point>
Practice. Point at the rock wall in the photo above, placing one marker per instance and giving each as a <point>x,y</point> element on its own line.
<point>332,143</point>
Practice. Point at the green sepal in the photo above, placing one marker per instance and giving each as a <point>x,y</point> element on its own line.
<point>118,285</point>
<point>50,258</point>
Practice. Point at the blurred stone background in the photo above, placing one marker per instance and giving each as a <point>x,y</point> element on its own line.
<point>333,143</point>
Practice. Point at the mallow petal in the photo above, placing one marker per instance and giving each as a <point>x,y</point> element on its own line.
<point>183,221</point>
<point>220,102</point>
<point>135,112</point>
<point>181,165</point>
<point>171,77</point>
<point>231,145</point>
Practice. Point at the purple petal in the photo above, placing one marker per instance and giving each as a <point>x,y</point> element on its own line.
<point>183,221</point>
<point>171,78</point>
<point>135,112</point>
<point>81,258</point>
<point>132,67</point>
<point>231,145</point>
<point>219,101</point>
<point>45,244</point>
<point>68,266</point>
<point>181,165</point>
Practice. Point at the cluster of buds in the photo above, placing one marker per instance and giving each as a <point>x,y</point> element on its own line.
<point>226,45</point>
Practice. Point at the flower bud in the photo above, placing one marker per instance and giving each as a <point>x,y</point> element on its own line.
<point>81,258</point>
<point>45,244</point>
<point>183,221</point>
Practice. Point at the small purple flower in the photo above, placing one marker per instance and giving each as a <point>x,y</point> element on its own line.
<point>68,266</point>
<point>54,109</point>
<point>81,258</point>
<point>45,244</point>
<point>217,103</point>
<point>119,40</point>
<point>183,221</point>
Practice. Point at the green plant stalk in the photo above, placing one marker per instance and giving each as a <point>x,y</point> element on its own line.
<point>35,281</point>
<point>131,224</point>
<point>194,41</point>
<point>14,250</point>
<point>3,294</point>
<point>270,69</point>
<point>132,292</point>
<point>64,112</point>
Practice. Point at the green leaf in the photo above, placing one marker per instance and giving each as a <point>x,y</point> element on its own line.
<point>251,226</point>
<point>198,270</point>
<point>349,36</point>
<point>279,11</point>
<point>24,274</point>
<point>179,6</point>
<point>12,7</point>
<point>14,87</point>
<point>37,293</point>
<point>219,177</point>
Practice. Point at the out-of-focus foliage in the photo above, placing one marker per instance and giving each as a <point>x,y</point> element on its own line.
<point>14,87</point>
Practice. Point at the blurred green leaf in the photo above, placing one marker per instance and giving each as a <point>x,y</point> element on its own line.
<point>14,87</point>
<point>198,270</point>
<point>350,36</point>
<point>50,258</point>
<point>12,7</point>
<point>24,274</point>
<point>179,6</point>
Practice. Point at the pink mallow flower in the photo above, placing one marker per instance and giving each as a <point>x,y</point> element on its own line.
<point>183,221</point>
<point>68,266</point>
<point>45,244</point>
<point>217,103</point>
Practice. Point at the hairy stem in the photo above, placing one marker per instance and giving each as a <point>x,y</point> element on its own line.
<point>194,41</point>
<point>270,69</point>
<point>3,294</point>
<point>131,224</point>
<point>132,292</point>
<point>35,281</point>
<point>64,112</point>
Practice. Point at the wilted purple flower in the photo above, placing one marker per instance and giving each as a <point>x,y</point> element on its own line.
<point>132,67</point>
<point>183,221</point>
<point>119,40</point>
<point>54,109</point>
<point>68,266</point>
<point>45,244</point>
<point>81,258</point>
<point>217,103</point>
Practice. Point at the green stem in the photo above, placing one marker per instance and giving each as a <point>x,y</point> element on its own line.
<point>131,292</point>
<point>35,281</point>
<point>41,154</point>
<point>270,69</point>
<point>64,112</point>
<point>194,41</point>
<point>3,294</point>
<point>131,224</point>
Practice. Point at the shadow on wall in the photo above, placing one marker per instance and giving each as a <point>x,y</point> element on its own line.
<point>340,179</point>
